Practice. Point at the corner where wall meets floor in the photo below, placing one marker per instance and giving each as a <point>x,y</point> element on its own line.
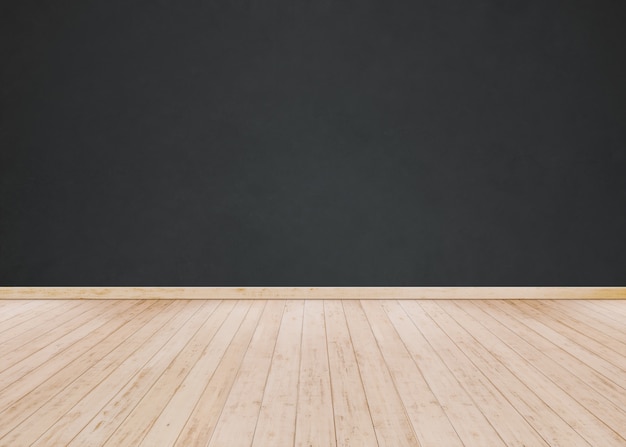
<point>347,293</point>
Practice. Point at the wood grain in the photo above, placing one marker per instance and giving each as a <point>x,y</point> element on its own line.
<point>310,293</point>
<point>278,373</point>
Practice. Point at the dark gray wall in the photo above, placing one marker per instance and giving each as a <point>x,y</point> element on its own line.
<point>326,142</point>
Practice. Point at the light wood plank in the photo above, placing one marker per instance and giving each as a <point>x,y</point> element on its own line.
<point>239,415</point>
<point>14,412</point>
<point>552,350</point>
<point>138,401</point>
<point>142,374</point>
<point>391,423</point>
<point>172,419</point>
<point>617,309</point>
<point>429,420</point>
<point>553,321</point>
<point>10,307</point>
<point>202,421</point>
<point>466,418</point>
<point>310,373</point>
<point>546,421</point>
<point>353,422</point>
<point>14,308</point>
<point>315,424</point>
<point>586,324</point>
<point>609,413</point>
<point>109,322</point>
<point>504,418</point>
<point>607,315</point>
<point>23,311</point>
<point>277,416</point>
<point>26,359</point>
<point>594,315</point>
<point>128,357</point>
<point>32,335</point>
<point>574,414</point>
<point>593,359</point>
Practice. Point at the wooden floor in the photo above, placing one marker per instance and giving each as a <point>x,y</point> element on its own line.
<point>312,373</point>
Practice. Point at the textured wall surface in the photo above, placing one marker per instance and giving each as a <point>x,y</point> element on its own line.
<point>232,142</point>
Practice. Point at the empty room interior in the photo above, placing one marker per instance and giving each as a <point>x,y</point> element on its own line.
<point>333,223</point>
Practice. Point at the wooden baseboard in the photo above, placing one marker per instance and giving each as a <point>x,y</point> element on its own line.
<point>85,293</point>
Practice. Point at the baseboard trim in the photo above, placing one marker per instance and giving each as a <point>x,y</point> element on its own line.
<point>225,293</point>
